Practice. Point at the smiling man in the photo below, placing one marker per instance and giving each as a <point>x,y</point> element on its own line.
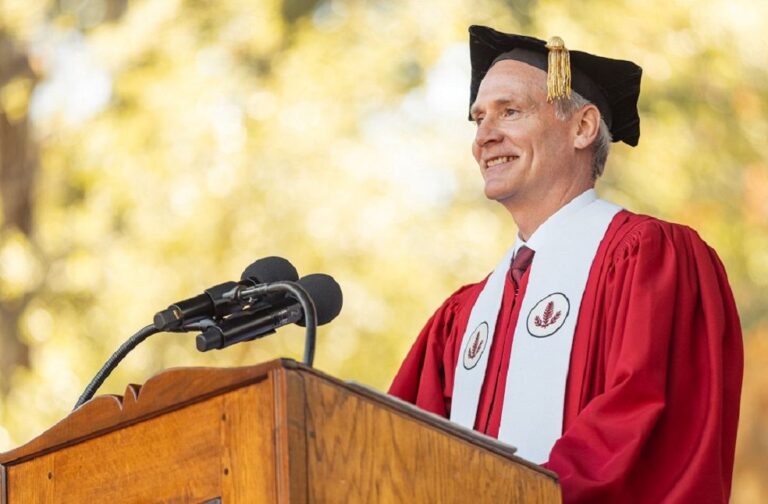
<point>605,345</point>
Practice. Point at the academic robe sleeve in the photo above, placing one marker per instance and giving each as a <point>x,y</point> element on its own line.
<point>654,393</point>
<point>426,376</point>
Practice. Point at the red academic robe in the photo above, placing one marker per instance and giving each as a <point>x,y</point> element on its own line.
<point>652,397</point>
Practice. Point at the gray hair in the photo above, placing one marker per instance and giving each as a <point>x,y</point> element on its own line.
<point>564,109</point>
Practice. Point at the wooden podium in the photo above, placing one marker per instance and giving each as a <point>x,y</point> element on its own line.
<point>276,432</point>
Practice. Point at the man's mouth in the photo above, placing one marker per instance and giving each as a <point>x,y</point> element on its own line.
<point>499,160</point>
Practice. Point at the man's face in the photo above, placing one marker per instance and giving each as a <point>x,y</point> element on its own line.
<point>523,150</point>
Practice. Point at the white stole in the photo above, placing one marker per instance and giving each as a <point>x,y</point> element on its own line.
<point>565,246</point>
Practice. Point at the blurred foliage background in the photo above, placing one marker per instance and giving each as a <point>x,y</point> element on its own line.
<point>152,148</point>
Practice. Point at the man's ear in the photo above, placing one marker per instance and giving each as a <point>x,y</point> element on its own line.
<point>587,126</point>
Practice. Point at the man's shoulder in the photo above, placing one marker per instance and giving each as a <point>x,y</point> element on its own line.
<point>465,295</point>
<point>630,222</point>
<point>629,231</point>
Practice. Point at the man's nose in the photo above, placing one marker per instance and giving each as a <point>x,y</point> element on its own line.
<point>487,132</point>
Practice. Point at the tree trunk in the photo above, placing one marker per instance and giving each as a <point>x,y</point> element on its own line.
<point>18,171</point>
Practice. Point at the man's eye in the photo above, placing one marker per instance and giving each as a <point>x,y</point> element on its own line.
<point>509,112</point>
<point>478,120</point>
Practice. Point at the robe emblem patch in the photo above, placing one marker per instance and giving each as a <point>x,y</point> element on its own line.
<point>548,315</point>
<point>475,346</point>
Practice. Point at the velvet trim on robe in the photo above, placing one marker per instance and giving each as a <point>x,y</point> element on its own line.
<point>652,397</point>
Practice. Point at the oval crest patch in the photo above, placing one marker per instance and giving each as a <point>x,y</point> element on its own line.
<point>475,346</point>
<point>548,315</point>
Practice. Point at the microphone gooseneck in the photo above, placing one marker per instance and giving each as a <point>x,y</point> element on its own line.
<point>113,361</point>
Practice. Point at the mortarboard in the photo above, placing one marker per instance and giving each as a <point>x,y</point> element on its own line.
<point>612,85</point>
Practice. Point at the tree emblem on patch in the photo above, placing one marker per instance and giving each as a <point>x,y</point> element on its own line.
<point>548,315</point>
<point>475,346</point>
<point>547,319</point>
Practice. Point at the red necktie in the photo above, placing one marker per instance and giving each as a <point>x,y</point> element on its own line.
<point>520,263</point>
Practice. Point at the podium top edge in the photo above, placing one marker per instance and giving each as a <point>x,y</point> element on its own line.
<point>166,391</point>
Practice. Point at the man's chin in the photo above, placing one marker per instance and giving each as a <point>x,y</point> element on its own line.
<point>499,195</point>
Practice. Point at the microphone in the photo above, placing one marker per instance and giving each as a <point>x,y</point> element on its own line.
<point>323,291</point>
<point>217,300</point>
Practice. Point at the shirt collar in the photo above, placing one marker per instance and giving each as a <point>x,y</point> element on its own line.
<point>570,208</point>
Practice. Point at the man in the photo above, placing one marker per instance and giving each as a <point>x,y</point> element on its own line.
<point>605,345</point>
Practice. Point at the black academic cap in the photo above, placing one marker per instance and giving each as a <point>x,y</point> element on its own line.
<point>612,85</point>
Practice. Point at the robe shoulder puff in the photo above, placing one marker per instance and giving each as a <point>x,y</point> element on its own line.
<point>653,387</point>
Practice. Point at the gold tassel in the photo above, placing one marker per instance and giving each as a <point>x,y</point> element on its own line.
<point>558,71</point>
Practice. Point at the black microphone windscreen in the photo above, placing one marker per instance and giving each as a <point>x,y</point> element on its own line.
<point>270,269</point>
<point>325,293</point>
